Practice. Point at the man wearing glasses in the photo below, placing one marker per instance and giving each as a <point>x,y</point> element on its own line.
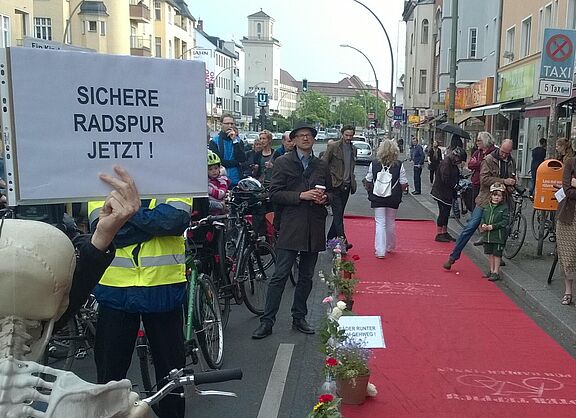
<point>497,167</point>
<point>229,148</point>
<point>301,187</point>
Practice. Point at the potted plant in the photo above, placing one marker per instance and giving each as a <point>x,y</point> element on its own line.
<point>347,287</point>
<point>347,268</point>
<point>348,364</point>
<point>327,407</point>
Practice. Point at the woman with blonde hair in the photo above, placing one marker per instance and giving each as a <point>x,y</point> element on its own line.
<point>564,149</point>
<point>385,208</point>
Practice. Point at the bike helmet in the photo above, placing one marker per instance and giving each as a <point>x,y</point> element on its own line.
<point>459,154</point>
<point>213,158</point>
<point>250,184</point>
<point>497,187</point>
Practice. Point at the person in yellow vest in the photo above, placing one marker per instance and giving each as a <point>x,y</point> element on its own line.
<point>145,282</point>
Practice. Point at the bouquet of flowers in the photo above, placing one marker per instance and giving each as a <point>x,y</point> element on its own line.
<point>336,245</point>
<point>327,407</point>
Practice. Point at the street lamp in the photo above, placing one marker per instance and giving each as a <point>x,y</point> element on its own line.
<point>69,19</point>
<point>373,70</point>
<point>391,57</point>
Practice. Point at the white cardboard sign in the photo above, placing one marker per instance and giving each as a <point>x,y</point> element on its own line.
<point>364,328</point>
<point>78,114</point>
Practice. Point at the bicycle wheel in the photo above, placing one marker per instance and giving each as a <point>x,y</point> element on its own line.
<point>145,360</point>
<point>208,322</point>
<point>61,349</point>
<point>221,278</point>
<point>255,274</point>
<point>516,237</point>
<point>537,218</point>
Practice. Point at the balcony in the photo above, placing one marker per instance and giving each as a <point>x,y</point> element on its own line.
<point>139,12</point>
<point>140,46</point>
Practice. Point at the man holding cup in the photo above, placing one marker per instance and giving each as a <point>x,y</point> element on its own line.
<point>301,187</point>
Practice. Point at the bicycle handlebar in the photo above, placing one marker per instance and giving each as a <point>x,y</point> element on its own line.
<point>215,376</point>
<point>207,220</point>
<point>184,377</point>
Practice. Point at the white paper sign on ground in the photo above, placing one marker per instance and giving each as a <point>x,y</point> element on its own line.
<point>364,328</point>
<point>77,114</point>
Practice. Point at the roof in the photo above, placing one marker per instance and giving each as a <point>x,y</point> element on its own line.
<point>287,79</point>
<point>348,87</point>
<point>93,8</point>
<point>182,8</point>
<point>259,14</point>
<point>218,43</point>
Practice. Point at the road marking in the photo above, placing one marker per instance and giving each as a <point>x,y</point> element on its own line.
<point>270,405</point>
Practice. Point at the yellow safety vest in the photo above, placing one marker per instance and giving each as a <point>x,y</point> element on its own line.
<point>160,261</point>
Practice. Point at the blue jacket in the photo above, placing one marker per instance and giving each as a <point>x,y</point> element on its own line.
<point>417,154</point>
<point>231,155</point>
<point>164,219</point>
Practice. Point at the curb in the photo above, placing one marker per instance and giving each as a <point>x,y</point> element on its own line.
<point>536,293</point>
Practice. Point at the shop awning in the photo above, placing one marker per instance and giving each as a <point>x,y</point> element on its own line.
<point>496,108</point>
<point>538,109</point>
<point>463,117</point>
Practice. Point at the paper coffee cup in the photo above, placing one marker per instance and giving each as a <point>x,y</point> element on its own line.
<point>320,187</point>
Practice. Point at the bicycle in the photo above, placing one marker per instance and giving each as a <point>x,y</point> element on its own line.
<point>549,230</point>
<point>517,225</point>
<point>464,200</point>
<point>252,258</point>
<point>75,339</point>
<point>203,326</point>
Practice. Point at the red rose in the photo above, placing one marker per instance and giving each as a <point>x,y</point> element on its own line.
<point>356,257</point>
<point>331,362</point>
<point>325,398</point>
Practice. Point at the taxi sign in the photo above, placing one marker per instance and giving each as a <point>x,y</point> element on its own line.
<point>557,63</point>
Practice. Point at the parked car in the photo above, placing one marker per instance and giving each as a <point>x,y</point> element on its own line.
<point>332,133</point>
<point>359,138</point>
<point>363,153</point>
<point>277,136</point>
<point>321,136</point>
<point>251,137</point>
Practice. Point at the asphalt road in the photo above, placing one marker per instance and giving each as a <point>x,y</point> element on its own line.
<point>283,373</point>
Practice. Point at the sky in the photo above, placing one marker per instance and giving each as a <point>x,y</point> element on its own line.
<point>311,32</point>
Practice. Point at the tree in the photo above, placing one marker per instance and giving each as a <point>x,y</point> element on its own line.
<point>313,107</point>
<point>349,112</point>
<point>282,124</point>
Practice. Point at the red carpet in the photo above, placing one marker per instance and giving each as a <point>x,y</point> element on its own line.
<point>457,346</point>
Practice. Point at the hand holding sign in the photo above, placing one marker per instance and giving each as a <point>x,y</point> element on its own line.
<point>122,202</point>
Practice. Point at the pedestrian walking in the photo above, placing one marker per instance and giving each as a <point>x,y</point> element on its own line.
<point>302,187</point>
<point>229,148</point>
<point>417,158</point>
<point>340,157</point>
<point>385,208</point>
<point>494,229</point>
<point>444,191</point>
<point>497,167</point>
<point>566,229</point>
<point>538,157</point>
<point>146,282</point>
<point>434,158</point>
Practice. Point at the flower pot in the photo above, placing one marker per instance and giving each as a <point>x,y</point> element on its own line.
<point>349,304</point>
<point>352,391</point>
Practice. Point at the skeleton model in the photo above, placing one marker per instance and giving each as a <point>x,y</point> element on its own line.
<point>37,263</point>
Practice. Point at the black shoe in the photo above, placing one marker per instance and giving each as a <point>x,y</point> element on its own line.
<point>478,243</point>
<point>302,326</point>
<point>450,237</point>
<point>414,193</point>
<point>494,277</point>
<point>441,238</point>
<point>264,330</point>
<point>502,263</point>
<point>348,246</point>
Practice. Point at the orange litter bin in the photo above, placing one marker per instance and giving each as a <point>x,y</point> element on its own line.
<point>548,180</point>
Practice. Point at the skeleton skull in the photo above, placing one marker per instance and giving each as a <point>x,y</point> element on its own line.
<point>37,263</point>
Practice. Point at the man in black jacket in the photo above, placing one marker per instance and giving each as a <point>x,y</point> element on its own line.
<point>301,186</point>
<point>229,148</point>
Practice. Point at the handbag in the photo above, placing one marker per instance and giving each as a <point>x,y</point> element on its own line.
<point>383,184</point>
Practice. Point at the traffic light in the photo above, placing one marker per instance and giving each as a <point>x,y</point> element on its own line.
<point>211,88</point>
<point>304,85</point>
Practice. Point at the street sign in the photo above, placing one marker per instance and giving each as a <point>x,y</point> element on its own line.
<point>398,113</point>
<point>557,63</point>
<point>262,99</point>
<point>554,88</point>
<point>397,124</point>
<point>390,113</point>
<point>371,115</point>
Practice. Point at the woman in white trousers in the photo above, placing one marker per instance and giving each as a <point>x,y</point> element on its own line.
<point>386,196</point>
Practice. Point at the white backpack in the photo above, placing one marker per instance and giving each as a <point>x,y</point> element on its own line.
<point>383,183</point>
